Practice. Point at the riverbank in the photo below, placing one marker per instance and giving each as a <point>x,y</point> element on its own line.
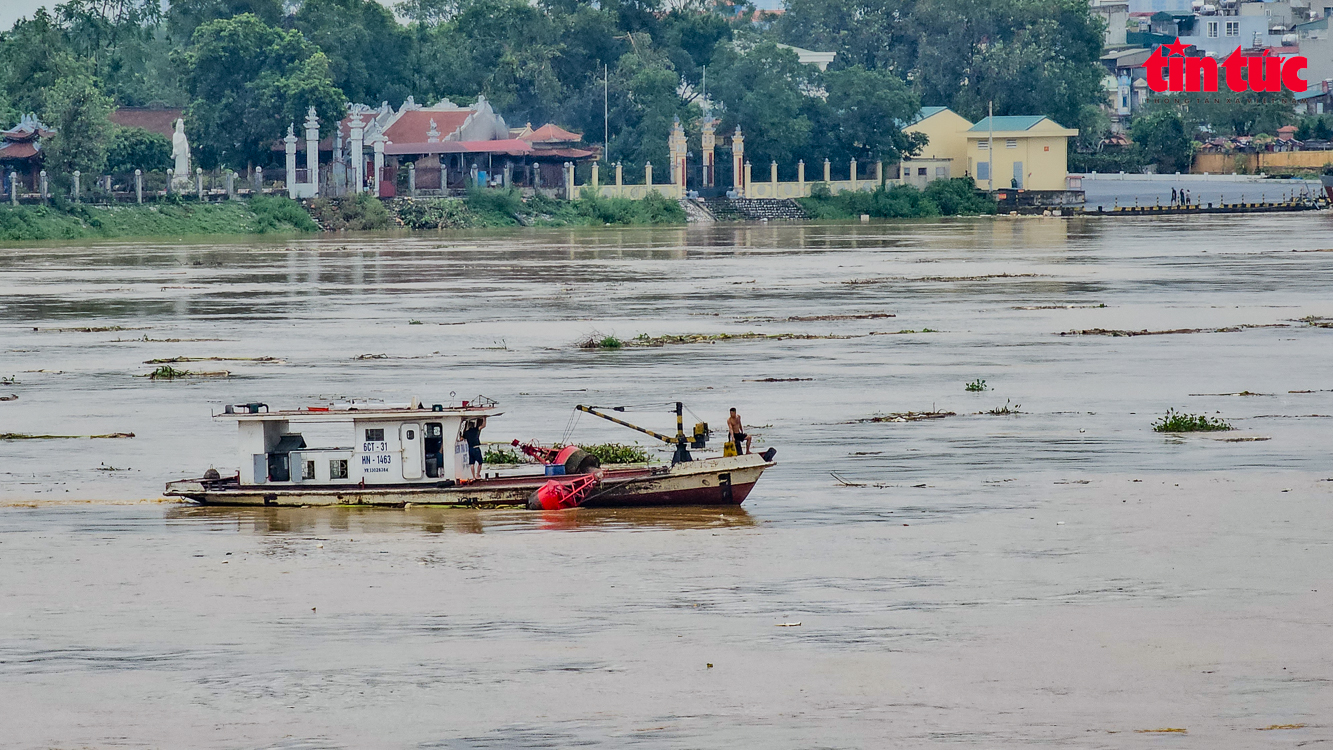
<point>62,220</point>
<point>70,221</point>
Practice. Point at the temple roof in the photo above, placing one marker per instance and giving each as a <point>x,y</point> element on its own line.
<point>160,121</point>
<point>549,133</point>
<point>28,129</point>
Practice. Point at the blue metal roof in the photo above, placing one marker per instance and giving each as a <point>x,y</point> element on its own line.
<point>1012,122</point>
<point>926,112</point>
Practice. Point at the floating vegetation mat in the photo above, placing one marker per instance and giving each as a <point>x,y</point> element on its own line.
<point>167,372</point>
<point>820,318</point>
<point>1175,421</point>
<point>643,340</point>
<point>179,360</point>
<point>1146,332</point>
<point>939,279</point>
<point>905,416</point>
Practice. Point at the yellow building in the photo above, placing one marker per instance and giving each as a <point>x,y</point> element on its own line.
<point>1031,152</point>
<point>945,129</point>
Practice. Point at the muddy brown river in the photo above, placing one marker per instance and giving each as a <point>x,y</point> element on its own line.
<point>1057,576</point>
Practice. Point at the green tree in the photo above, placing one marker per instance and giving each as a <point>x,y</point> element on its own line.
<point>34,55</point>
<point>1025,56</point>
<point>135,148</point>
<point>1248,115</point>
<point>513,47</point>
<point>77,110</point>
<point>248,81</point>
<point>764,89</point>
<point>185,16</point>
<point>868,108</point>
<point>367,48</point>
<point>644,107</point>
<point>1162,137</point>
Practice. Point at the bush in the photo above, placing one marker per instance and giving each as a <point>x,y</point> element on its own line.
<point>444,213</point>
<point>135,148</point>
<point>504,204</point>
<point>276,213</point>
<point>358,213</point>
<point>652,209</point>
<point>1122,160</point>
<point>959,196</point>
<point>898,201</point>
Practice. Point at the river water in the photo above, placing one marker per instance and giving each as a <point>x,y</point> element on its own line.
<point>1062,576</point>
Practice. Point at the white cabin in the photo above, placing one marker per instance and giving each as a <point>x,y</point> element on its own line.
<point>399,445</point>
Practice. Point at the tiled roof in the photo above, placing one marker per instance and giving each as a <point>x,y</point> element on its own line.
<point>19,150</point>
<point>551,133</point>
<point>414,126</point>
<point>160,121</point>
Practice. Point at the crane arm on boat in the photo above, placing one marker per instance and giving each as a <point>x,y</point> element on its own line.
<point>680,441</point>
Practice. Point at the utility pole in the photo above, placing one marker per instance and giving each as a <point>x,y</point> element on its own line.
<point>606,112</point>
<point>990,146</point>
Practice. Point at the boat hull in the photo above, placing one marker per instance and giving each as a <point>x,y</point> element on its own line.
<point>712,481</point>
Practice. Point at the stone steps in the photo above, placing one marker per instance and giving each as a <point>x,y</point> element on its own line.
<point>754,209</point>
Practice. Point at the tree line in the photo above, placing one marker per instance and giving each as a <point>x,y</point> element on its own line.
<point>244,69</point>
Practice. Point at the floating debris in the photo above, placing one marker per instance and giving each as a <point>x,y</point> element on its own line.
<point>643,340</point>
<point>25,436</point>
<point>820,318</point>
<point>774,380</point>
<point>1282,726</point>
<point>789,625</point>
<point>1097,306</point>
<point>905,416</point>
<point>167,372</point>
<point>372,356</point>
<point>1238,393</point>
<point>1000,411</point>
<point>944,279</point>
<point>1317,321</point>
<point>91,329</point>
<point>178,360</point>
<point>905,330</point>
<point>1163,730</point>
<point>1145,332</point>
<point>10,397</point>
<point>147,340</point>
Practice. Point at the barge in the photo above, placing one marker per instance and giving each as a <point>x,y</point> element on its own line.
<point>418,455</point>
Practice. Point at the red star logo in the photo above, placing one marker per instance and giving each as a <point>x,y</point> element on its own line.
<point>1175,49</point>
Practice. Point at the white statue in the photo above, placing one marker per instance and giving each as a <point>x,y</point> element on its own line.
<point>180,150</point>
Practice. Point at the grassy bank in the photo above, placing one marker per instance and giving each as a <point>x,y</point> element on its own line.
<point>62,220</point>
<point>955,197</point>
<point>507,208</point>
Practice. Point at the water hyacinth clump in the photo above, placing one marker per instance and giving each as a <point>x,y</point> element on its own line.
<point>1174,421</point>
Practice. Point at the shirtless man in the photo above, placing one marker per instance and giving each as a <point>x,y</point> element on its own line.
<point>736,433</point>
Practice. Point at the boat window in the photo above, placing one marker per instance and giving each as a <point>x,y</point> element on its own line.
<point>375,434</point>
<point>338,468</point>
<point>307,469</point>
<point>411,435</point>
<point>434,430</point>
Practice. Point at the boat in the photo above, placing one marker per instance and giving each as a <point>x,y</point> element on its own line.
<point>413,454</point>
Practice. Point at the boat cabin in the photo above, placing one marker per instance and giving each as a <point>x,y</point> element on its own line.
<point>399,445</point>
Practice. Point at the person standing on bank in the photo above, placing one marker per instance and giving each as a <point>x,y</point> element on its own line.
<point>472,434</point>
<point>736,432</point>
